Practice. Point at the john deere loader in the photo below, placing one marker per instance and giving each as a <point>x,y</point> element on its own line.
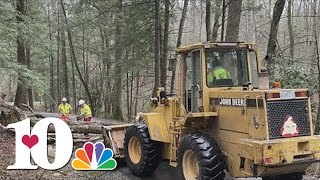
<point>223,117</point>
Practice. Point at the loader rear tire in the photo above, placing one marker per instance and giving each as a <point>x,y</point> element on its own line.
<point>199,157</point>
<point>291,176</point>
<point>142,155</point>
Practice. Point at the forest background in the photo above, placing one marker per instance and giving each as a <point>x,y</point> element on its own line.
<point>114,53</point>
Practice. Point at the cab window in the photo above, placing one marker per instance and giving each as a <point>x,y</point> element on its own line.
<point>226,67</point>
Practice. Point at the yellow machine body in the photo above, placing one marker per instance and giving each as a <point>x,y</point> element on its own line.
<point>260,131</point>
<point>237,118</point>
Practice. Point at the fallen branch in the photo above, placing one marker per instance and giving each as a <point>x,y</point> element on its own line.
<point>28,107</point>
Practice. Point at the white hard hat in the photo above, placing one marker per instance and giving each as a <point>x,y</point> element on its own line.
<point>81,102</point>
<point>64,99</point>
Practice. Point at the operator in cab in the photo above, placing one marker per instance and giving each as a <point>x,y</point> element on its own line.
<point>217,73</point>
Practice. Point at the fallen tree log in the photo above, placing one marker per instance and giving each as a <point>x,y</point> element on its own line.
<point>93,129</point>
<point>75,123</point>
<point>79,128</point>
<point>10,114</point>
<point>92,139</point>
<point>80,139</point>
<point>86,129</point>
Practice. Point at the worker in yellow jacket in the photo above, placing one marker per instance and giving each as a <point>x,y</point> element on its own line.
<point>218,73</point>
<point>64,109</point>
<point>85,111</point>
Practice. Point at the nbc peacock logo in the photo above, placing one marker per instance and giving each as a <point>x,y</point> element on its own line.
<point>94,157</point>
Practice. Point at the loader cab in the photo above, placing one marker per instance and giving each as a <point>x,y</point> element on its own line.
<point>215,66</point>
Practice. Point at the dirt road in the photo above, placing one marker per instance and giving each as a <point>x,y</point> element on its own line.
<point>164,172</point>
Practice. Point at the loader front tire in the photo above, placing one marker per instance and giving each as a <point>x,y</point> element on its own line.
<point>142,155</point>
<point>199,157</point>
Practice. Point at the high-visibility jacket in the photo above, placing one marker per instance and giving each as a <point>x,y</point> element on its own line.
<point>218,73</point>
<point>65,108</point>
<point>86,111</point>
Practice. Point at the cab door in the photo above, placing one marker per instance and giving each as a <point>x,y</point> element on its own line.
<point>193,101</point>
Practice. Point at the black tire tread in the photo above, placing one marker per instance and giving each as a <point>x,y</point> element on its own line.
<point>151,151</point>
<point>208,153</point>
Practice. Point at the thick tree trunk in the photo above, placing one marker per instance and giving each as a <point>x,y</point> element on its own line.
<point>277,11</point>
<point>156,47</point>
<point>317,59</point>
<point>28,59</point>
<point>84,54</point>
<point>160,54</point>
<point>165,44</point>
<point>117,112</point>
<point>64,65</point>
<point>317,123</point>
<point>223,19</point>
<point>74,88</point>
<point>30,97</point>
<point>290,28</point>
<point>51,62</point>
<point>58,81</point>
<point>233,24</point>
<point>217,15</point>
<point>108,63</point>
<point>208,19</point>
<point>105,72</point>
<point>182,20</point>
<point>136,94</point>
<point>131,93</point>
<point>128,93</point>
<point>22,92</point>
<point>87,70</point>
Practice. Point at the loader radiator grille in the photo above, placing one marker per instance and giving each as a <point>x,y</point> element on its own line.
<point>277,112</point>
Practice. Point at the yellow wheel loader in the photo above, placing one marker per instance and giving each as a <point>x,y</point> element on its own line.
<point>222,118</point>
